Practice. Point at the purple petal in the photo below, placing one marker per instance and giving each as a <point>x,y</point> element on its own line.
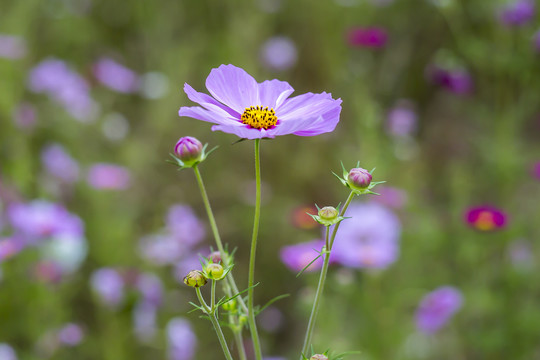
<point>243,131</point>
<point>208,102</point>
<point>273,93</point>
<point>233,87</point>
<point>307,105</point>
<point>199,113</point>
<point>324,123</point>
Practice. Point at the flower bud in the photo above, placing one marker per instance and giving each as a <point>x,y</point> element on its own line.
<point>229,305</point>
<point>215,257</point>
<point>328,213</point>
<point>189,150</point>
<point>319,357</point>
<point>195,278</point>
<point>359,178</point>
<point>214,271</point>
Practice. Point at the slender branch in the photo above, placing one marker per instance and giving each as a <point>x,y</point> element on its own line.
<point>251,278</point>
<point>212,314</point>
<point>322,279</point>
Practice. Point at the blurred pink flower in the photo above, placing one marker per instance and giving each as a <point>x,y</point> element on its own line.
<point>108,284</point>
<point>12,47</point>
<point>367,37</point>
<point>536,170</point>
<point>391,197</point>
<point>279,53</point>
<point>25,116</point>
<point>59,163</point>
<point>297,256</point>
<point>402,120</point>
<point>457,80</point>
<point>115,76</point>
<point>181,340</point>
<point>518,12</point>
<point>436,309</point>
<point>70,334</point>
<point>108,177</point>
<point>486,218</point>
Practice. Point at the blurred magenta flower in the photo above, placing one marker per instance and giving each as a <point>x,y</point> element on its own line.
<point>369,239</point>
<point>279,53</point>
<point>48,272</point>
<point>367,37</point>
<point>9,247</point>
<point>70,335</point>
<point>12,47</point>
<point>56,79</point>
<point>252,110</point>
<point>486,218</point>
<point>536,170</point>
<point>298,256</point>
<point>59,163</point>
<point>401,120</point>
<point>181,340</point>
<point>183,224</point>
<point>436,308</point>
<point>41,219</point>
<point>108,284</point>
<point>7,352</point>
<point>518,12</point>
<point>457,80</point>
<point>108,177</point>
<point>25,116</point>
<point>115,76</point>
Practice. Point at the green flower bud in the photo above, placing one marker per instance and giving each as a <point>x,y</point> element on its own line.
<point>319,357</point>
<point>214,271</point>
<point>328,213</point>
<point>195,278</point>
<point>242,319</point>
<point>229,305</point>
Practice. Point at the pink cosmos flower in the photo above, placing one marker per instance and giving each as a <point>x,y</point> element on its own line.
<point>485,218</point>
<point>241,106</point>
<point>367,37</point>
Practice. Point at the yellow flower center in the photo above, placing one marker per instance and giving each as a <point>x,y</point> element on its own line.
<point>485,221</point>
<point>258,117</point>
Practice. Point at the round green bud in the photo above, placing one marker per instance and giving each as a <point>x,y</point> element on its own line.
<point>214,271</point>
<point>242,319</point>
<point>319,357</point>
<point>195,278</point>
<point>229,305</point>
<point>328,213</point>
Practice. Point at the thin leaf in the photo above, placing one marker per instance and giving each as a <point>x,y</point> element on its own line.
<point>308,265</point>
<point>279,297</point>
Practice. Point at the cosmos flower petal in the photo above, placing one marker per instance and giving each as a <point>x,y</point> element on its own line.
<point>307,105</point>
<point>208,102</point>
<point>233,87</point>
<point>273,93</point>
<point>243,131</point>
<point>199,113</point>
<point>323,124</point>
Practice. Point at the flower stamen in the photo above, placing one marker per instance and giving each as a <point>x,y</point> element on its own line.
<point>258,117</point>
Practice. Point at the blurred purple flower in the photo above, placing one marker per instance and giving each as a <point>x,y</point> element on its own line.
<point>161,249</point>
<point>401,120</point>
<point>144,321</point>
<point>536,170</point>
<point>9,247</point>
<point>183,224</point>
<point>59,163</point>
<point>297,256</point>
<point>252,110</point>
<point>7,352</point>
<point>458,81</point>
<point>70,334</point>
<point>521,254</point>
<point>12,47</point>
<point>518,12</point>
<point>436,308</point>
<point>65,86</point>
<point>279,53</point>
<point>115,76</point>
<point>109,286</point>
<point>41,219</point>
<point>367,37</point>
<point>486,218</point>
<point>108,177</point>
<point>151,288</point>
<point>48,272</point>
<point>536,41</point>
<point>25,116</point>
<point>181,339</point>
<point>187,263</point>
<point>370,239</point>
<point>391,197</point>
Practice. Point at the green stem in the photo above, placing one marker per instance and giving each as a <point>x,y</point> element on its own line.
<point>212,314</point>
<point>240,344</point>
<point>251,278</point>
<point>217,237</point>
<point>322,279</point>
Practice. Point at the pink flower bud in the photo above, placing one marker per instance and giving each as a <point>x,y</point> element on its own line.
<point>359,178</point>
<point>188,149</point>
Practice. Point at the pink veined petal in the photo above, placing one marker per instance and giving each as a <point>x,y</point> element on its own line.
<point>291,127</point>
<point>233,87</point>
<point>306,105</point>
<point>273,93</point>
<point>323,124</point>
<point>199,113</point>
<point>208,102</point>
<point>243,131</point>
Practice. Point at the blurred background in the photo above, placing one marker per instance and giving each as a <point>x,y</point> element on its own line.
<point>97,230</point>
